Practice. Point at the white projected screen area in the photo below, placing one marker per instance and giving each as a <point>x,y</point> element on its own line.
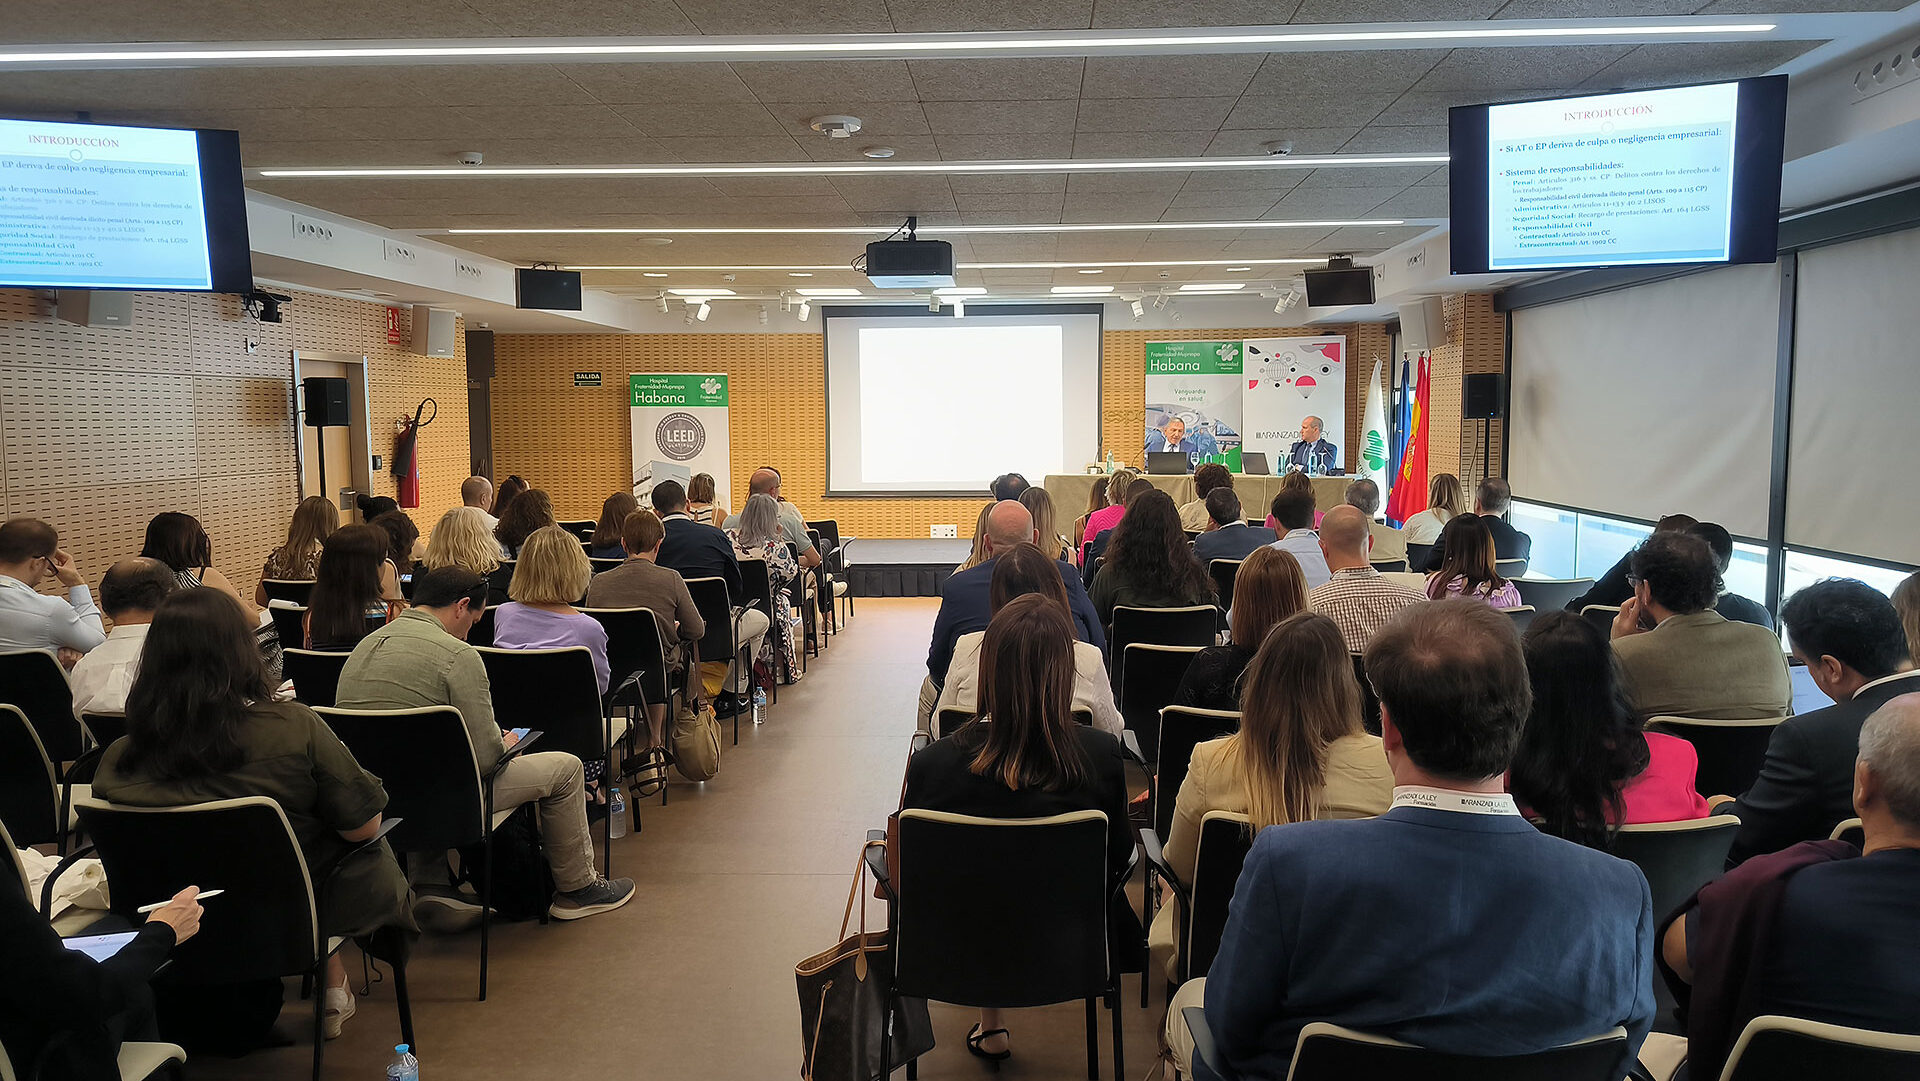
<point>945,405</point>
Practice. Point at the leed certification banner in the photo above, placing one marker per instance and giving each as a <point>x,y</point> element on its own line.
<point>1193,398</point>
<point>679,422</point>
<point>1291,383</point>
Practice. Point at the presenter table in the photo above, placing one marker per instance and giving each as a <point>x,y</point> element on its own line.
<point>1069,491</point>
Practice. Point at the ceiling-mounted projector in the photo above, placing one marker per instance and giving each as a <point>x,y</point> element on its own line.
<point>909,264</point>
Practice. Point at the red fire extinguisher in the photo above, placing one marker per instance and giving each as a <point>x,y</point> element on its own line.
<point>406,460</point>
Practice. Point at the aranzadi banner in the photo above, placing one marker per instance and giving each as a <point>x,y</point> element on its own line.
<point>679,422</point>
<point>1193,397</point>
<point>1295,402</point>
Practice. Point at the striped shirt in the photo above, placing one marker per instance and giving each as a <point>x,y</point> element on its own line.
<point>1360,601</point>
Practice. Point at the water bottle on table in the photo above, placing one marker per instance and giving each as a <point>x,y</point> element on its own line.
<point>404,1066</point>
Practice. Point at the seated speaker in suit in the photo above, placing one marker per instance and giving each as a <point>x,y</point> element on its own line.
<point>1682,658</point>
<point>1228,536</point>
<point>1850,638</point>
<point>1491,501</point>
<point>1174,436</point>
<point>1311,452</point>
<point>1449,922</point>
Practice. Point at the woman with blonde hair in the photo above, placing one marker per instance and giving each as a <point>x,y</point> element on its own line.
<point>1040,505</point>
<point>314,520</point>
<point>1300,753</point>
<point>1445,502</point>
<point>700,500</point>
<point>979,553</point>
<point>462,538</point>
<point>1269,587</point>
<point>550,577</point>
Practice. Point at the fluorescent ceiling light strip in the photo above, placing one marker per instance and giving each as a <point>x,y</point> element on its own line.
<point>876,45</point>
<point>1082,290</point>
<point>949,230</point>
<point>721,267</point>
<point>836,168</point>
<point>1215,287</point>
<point>828,292</point>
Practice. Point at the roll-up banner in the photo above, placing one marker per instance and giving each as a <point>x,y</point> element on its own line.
<point>679,422</point>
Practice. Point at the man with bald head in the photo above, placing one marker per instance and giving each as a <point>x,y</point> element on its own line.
<point>1356,596</point>
<point>793,528</point>
<point>130,592</point>
<point>963,600</point>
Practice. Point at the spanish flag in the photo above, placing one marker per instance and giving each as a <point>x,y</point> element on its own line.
<point>1409,496</point>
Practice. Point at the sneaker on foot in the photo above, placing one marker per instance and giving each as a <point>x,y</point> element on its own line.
<point>339,1007</point>
<point>444,911</point>
<point>601,895</point>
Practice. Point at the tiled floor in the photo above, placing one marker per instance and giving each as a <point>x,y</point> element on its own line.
<point>738,879</point>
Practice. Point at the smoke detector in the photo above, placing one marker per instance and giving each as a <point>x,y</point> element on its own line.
<point>472,157</point>
<point>835,127</point>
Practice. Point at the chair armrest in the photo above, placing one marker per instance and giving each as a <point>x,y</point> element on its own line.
<point>1714,803</point>
<point>920,742</point>
<point>876,857</point>
<point>1206,1054</point>
<point>512,753</point>
<point>1130,743</point>
<point>329,869</point>
<point>1158,866</point>
<point>46,888</point>
<point>81,769</point>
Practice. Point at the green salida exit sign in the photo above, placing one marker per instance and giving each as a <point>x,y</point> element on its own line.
<point>586,379</point>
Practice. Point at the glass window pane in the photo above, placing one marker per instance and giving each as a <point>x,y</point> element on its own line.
<point>1603,541</point>
<point>1747,575</point>
<point>1805,568</point>
<point>1553,539</point>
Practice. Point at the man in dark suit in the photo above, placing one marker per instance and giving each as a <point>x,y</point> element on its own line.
<point>1228,535</point>
<point>1732,605</point>
<point>693,548</point>
<point>1311,452</point>
<point>1449,921</point>
<point>1490,501</point>
<point>1849,636</point>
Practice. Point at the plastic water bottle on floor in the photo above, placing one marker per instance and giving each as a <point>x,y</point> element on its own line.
<point>404,1066</point>
<point>759,703</point>
<point>616,812</point>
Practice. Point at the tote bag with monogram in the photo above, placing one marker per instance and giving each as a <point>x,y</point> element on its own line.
<point>843,1000</point>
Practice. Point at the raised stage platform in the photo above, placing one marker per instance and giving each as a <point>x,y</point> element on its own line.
<point>902,568</point>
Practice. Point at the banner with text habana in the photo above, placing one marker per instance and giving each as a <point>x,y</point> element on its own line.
<point>1285,397</point>
<point>679,422</point>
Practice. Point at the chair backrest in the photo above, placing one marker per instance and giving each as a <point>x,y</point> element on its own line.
<point>604,564</point>
<point>554,690</point>
<point>1851,831</point>
<point>1413,580</point>
<point>315,674</point>
<point>289,622</point>
<point>29,790</point>
<point>104,728</point>
<point>1369,701</point>
<point>756,585</point>
<point>1677,857</point>
<point>1551,594</point>
<point>266,925</point>
<point>710,596</point>
<point>1224,572</point>
<point>948,721</point>
<point>13,873</point>
<point>828,533</point>
<point>1389,566</point>
<point>33,680</point>
<point>1328,1052</point>
<point>1194,625</point>
<point>1510,568</point>
<point>1225,839</point>
<point>1182,728</point>
<point>499,582</point>
<point>1417,555</point>
<point>634,645</point>
<point>1002,912</point>
<point>481,633</point>
<point>1600,615</point>
<point>1522,616</point>
<point>425,759</point>
<point>1150,676</point>
<point>1774,1048</point>
<point>579,527</point>
<point>1731,752</point>
<point>293,590</point>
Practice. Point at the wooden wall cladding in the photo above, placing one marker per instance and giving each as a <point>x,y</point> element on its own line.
<point>101,429</point>
<point>575,443</point>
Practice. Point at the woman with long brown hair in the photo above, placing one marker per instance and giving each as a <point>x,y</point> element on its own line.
<point>1268,588</point>
<point>1467,569</point>
<point>1096,500</point>
<point>1045,525</point>
<point>1149,563</point>
<point>314,520</point>
<point>1300,753</point>
<point>606,532</point>
<point>1120,489</point>
<point>354,590</point>
<point>1025,757</point>
<point>531,510</point>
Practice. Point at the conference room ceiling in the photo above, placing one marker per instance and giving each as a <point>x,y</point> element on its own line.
<point>1174,105</point>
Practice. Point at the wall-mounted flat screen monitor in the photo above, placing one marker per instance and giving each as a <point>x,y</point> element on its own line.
<point>104,206</point>
<point>1683,174</point>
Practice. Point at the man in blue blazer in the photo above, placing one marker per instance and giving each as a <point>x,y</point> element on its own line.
<point>1228,536</point>
<point>1448,922</point>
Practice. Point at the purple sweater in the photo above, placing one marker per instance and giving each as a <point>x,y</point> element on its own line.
<point>516,626</point>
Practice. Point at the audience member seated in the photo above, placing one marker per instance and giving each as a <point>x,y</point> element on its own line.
<point>1355,596</point>
<point>1820,931</point>
<point>757,536</point>
<point>613,517</point>
<point>1293,510</point>
<point>978,553</point>
<point>1584,766</point>
<point>507,491</point>
<point>462,538</point>
<point>1389,544</point>
<point>314,520</point>
<point>530,511</point>
<point>1046,525</point>
<point>477,492</point>
<point>1268,588</point>
<point>1732,605</point>
<point>30,553</point>
<point>130,593</point>
<point>1490,503</point>
<point>701,496</point>
<point>1026,757</point>
<point>703,551</point>
<point>1008,486</point>
<point>1445,502</point>
<point>1468,567</point>
<point>788,509</point>
<point>1206,479</point>
<point>1120,484</point>
<point>641,582</point>
<point>402,538</point>
<point>181,542</point>
<point>1851,640</point>
<point>1227,535</point>
<point>1096,501</point>
<point>1611,589</point>
<point>1020,571</point>
<point>793,528</point>
<point>1149,564</point>
<point>1682,658</point>
<point>60,1002</point>
<point>551,575</point>
<point>202,725</point>
<point>1906,601</point>
<point>1448,922</point>
<point>1298,482</point>
<point>1300,754</point>
<point>422,659</point>
<point>354,589</point>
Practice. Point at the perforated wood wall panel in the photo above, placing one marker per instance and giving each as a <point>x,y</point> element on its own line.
<point>1476,342</point>
<point>102,429</point>
<point>576,444</point>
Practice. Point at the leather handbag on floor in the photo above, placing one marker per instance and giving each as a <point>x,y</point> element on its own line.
<point>696,743</point>
<point>843,1000</point>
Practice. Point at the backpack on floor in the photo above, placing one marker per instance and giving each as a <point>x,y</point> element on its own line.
<point>696,742</point>
<point>522,883</point>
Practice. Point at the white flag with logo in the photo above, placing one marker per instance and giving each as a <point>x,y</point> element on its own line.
<point>1373,432</point>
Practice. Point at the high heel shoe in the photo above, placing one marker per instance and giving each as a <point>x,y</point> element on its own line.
<point>975,1038</point>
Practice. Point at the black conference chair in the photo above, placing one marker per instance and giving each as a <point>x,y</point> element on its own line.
<point>1418,554</point>
<point>604,564</point>
<point>634,649</point>
<point>33,680</point>
<point>1522,617</point>
<point>834,557</point>
<point>436,794</point>
<point>1390,566</point>
<point>1551,594</point>
<point>1510,568</point>
<point>1030,932</point>
<point>104,728</point>
<point>579,527</point>
<point>1224,571</point>
<point>1327,1052</point>
<point>1225,840</point>
<point>289,622</point>
<point>556,691</point>
<point>1600,615</point>
<point>1152,675</point>
<point>1369,701</point>
<point>757,593</point>
<point>1193,625</point>
<point>481,633</point>
<point>1182,728</point>
<point>29,787</point>
<point>1775,1048</point>
<point>499,582</point>
<point>1677,857</point>
<point>1731,752</point>
<point>948,721</point>
<point>271,922</point>
<point>315,674</point>
<point>292,590</point>
<point>1851,831</point>
<point>809,606</point>
<point>722,643</point>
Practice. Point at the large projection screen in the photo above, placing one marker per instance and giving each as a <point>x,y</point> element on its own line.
<point>1854,388</point>
<point>922,404</point>
<point>1652,400</point>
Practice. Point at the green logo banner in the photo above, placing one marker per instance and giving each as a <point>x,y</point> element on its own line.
<point>1193,358</point>
<point>677,390</point>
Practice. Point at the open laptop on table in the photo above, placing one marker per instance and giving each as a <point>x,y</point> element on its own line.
<point>1253,463</point>
<point>1168,462</point>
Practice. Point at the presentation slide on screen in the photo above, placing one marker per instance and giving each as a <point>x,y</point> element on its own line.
<point>96,206</point>
<point>1619,178</point>
<point>946,405</point>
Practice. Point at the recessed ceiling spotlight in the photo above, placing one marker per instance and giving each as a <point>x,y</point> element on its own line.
<point>835,127</point>
<point>877,152</point>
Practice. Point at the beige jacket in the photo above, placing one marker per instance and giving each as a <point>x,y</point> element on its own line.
<point>1706,666</point>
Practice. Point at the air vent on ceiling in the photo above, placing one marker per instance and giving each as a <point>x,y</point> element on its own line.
<point>1887,69</point>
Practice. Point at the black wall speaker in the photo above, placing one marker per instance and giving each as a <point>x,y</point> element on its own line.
<point>326,402</point>
<point>1482,397</point>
